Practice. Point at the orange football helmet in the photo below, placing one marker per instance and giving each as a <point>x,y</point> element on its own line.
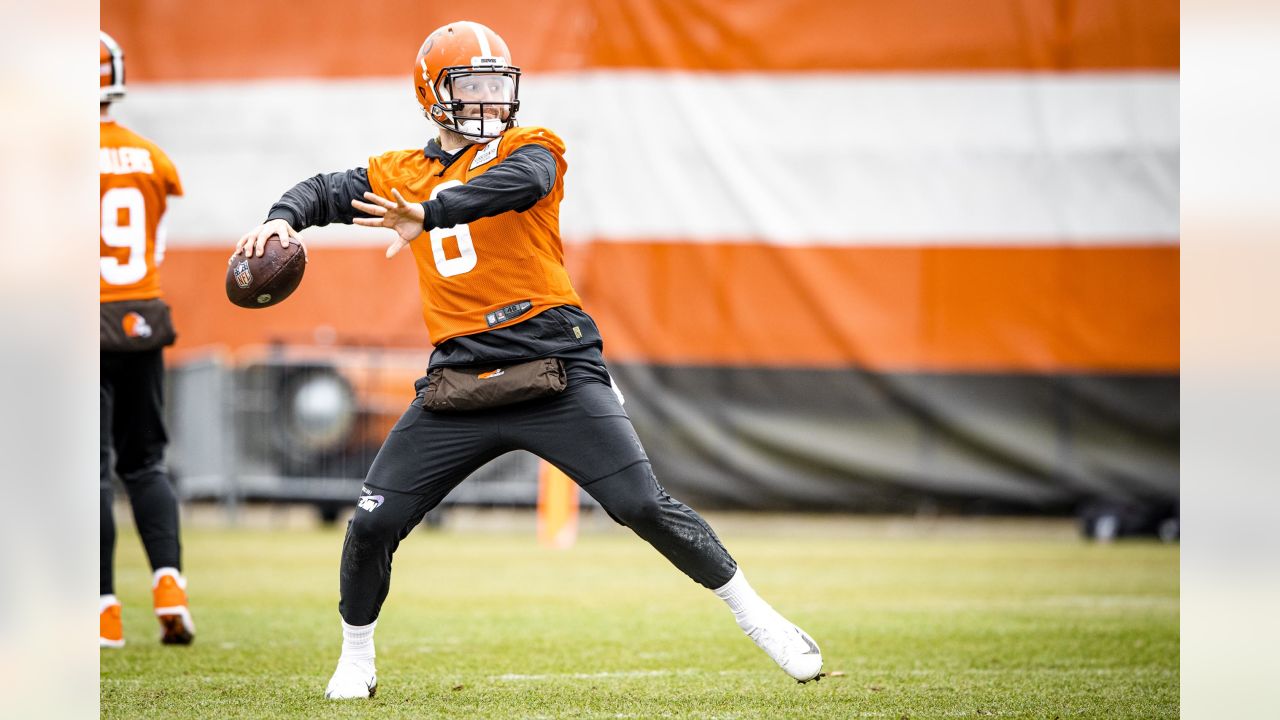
<point>464,80</point>
<point>111,69</point>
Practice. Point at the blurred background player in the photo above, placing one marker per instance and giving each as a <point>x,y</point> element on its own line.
<point>496,293</point>
<point>136,179</point>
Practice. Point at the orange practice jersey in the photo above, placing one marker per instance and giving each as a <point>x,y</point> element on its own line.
<point>136,178</point>
<point>471,275</point>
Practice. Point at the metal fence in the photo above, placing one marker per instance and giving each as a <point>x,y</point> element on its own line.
<point>303,424</point>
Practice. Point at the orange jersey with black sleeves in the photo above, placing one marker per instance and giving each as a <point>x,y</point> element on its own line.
<point>490,272</point>
<point>136,178</point>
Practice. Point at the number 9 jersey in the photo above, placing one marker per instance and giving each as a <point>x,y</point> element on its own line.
<point>489,272</point>
<point>135,177</point>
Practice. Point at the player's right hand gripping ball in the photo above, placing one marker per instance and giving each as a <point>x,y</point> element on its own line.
<point>258,282</point>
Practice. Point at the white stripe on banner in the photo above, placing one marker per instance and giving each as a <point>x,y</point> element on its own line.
<point>840,159</point>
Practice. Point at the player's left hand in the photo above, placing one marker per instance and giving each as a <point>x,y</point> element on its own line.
<point>403,217</point>
<point>254,242</point>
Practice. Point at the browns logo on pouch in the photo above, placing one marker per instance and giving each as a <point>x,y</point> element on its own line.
<point>135,325</point>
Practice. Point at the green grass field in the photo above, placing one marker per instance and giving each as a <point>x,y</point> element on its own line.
<point>489,625</point>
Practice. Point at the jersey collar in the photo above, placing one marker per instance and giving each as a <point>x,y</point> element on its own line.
<point>433,151</point>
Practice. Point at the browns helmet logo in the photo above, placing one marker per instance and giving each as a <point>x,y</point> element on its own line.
<point>135,325</point>
<point>490,374</point>
<point>244,278</point>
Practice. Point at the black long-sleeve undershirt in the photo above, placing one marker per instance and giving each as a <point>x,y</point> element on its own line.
<point>516,183</point>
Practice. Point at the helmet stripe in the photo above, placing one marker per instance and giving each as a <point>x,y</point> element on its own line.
<point>480,37</point>
<point>115,90</point>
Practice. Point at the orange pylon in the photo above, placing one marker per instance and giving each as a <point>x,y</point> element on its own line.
<point>557,508</point>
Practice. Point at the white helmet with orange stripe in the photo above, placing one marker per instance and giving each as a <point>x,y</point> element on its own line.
<point>111,69</point>
<point>464,80</point>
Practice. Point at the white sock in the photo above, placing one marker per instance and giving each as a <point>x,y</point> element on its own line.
<point>171,572</point>
<point>106,601</point>
<point>749,609</point>
<point>357,642</point>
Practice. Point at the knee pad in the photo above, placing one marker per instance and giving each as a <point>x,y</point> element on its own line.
<point>630,496</point>
<point>366,526</point>
<point>147,473</point>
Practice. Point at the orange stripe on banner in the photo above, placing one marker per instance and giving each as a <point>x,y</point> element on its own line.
<point>239,39</point>
<point>929,309</point>
<point>348,295</point>
<point>979,309</point>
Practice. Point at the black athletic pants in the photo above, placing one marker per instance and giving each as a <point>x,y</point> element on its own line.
<point>584,431</point>
<point>131,386</point>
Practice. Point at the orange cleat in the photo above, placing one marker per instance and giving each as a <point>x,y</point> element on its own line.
<point>110,629</point>
<point>176,625</point>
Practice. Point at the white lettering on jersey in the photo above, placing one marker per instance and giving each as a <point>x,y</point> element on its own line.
<point>124,161</point>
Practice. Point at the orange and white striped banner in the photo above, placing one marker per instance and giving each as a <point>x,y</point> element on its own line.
<point>984,186</point>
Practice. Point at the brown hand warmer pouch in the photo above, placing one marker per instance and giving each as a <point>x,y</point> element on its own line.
<point>476,388</point>
<point>135,325</point>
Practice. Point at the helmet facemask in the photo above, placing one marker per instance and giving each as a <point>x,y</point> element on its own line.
<point>479,102</point>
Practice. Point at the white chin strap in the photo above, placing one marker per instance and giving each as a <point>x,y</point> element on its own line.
<point>478,128</point>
